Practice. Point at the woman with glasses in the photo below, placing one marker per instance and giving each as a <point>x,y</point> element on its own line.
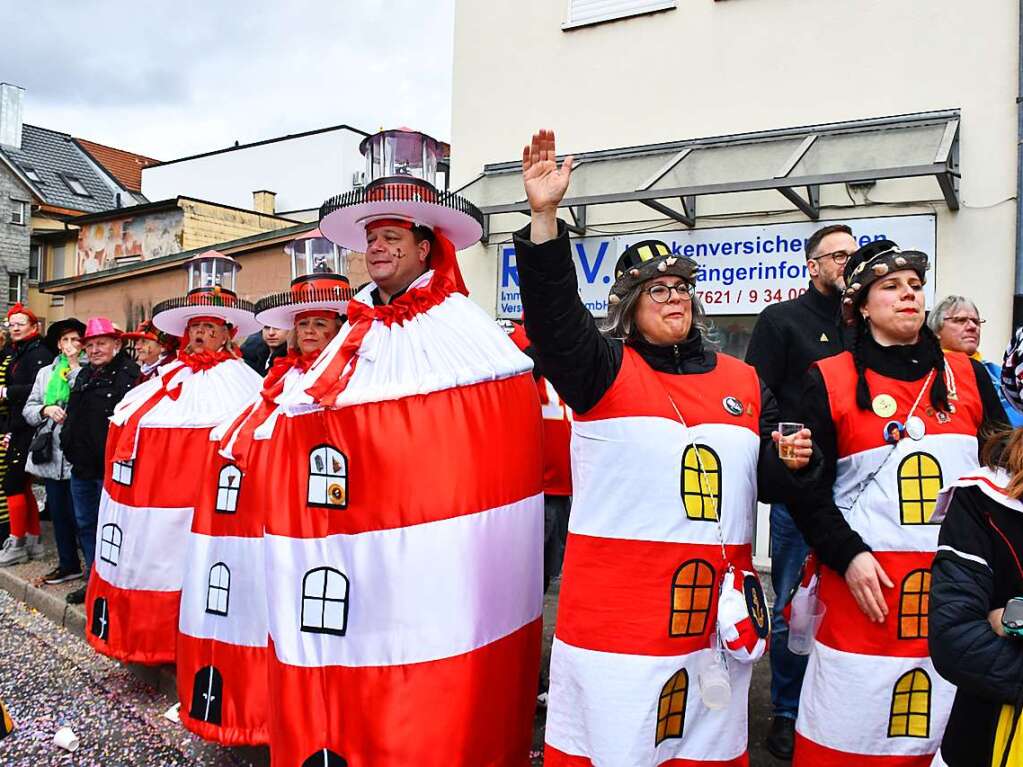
<point>672,445</point>
<point>870,692</point>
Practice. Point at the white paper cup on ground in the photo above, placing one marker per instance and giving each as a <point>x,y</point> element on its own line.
<point>807,615</point>
<point>66,739</point>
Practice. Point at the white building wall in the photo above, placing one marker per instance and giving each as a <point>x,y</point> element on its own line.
<point>303,171</point>
<point>713,68</point>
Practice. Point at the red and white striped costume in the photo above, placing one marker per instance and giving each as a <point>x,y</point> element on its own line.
<point>871,695</point>
<point>403,549</point>
<point>639,590</point>
<point>157,449</point>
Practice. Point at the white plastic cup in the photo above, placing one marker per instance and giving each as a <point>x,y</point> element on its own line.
<point>806,617</point>
<point>715,684</point>
<point>66,739</point>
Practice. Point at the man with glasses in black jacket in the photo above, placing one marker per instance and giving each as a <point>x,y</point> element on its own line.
<point>787,338</point>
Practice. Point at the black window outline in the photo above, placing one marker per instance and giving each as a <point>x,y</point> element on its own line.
<point>691,589</point>
<point>671,707</point>
<point>70,180</point>
<point>119,469</point>
<point>220,590</point>
<point>920,589</point>
<point>921,503</point>
<point>100,626</point>
<point>210,710</point>
<point>110,545</point>
<point>910,715</point>
<point>226,491</point>
<point>704,474</point>
<point>325,758</point>
<point>326,476</point>
<point>319,626</point>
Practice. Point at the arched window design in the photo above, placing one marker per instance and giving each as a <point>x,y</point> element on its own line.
<point>122,472</point>
<point>228,483</point>
<point>692,592</point>
<point>671,707</point>
<point>701,483</point>
<point>100,626</point>
<point>218,592</point>
<point>919,483</point>
<point>328,477</point>
<point>914,601</point>
<point>325,601</point>
<point>110,536</point>
<point>207,695</point>
<point>911,706</point>
<point>325,758</point>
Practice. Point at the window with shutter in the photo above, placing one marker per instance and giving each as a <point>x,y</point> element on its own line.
<point>583,12</point>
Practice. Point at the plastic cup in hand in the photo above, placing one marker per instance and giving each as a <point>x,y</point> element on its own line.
<point>786,445</point>
<point>715,684</point>
<point>66,739</point>
<point>806,617</point>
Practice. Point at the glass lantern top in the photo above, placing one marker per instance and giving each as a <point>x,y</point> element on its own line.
<point>314,255</point>
<point>211,270</point>
<point>401,153</point>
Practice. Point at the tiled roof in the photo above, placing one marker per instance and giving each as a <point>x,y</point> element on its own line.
<point>51,153</point>
<point>124,166</point>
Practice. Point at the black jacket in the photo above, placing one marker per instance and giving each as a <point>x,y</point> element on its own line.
<point>92,401</point>
<point>976,570</point>
<point>790,336</point>
<point>582,363</point>
<point>818,519</point>
<point>258,355</point>
<point>26,360</point>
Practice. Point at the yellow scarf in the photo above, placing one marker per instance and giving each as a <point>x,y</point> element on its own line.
<point>1002,737</point>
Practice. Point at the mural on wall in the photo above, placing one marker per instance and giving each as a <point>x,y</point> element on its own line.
<point>102,245</point>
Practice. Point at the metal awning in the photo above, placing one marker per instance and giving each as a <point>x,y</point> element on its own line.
<point>796,162</point>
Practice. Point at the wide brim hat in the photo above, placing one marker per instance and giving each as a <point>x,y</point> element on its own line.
<point>645,260</point>
<point>97,327</point>
<point>146,330</point>
<point>279,310</point>
<point>343,219</point>
<point>60,327</point>
<point>172,316</point>
<point>873,262</point>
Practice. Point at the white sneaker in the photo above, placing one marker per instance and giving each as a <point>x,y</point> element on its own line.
<point>34,546</point>
<point>13,552</point>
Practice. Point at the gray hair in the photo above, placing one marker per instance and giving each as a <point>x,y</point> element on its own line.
<point>619,322</point>
<point>944,308</point>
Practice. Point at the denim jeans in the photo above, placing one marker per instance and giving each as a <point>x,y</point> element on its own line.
<point>788,551</point>
<point>65,529</point>
<point>85,493</point>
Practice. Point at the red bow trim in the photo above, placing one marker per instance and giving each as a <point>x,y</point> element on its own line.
<point>334,378</point>
<point>199,361</point>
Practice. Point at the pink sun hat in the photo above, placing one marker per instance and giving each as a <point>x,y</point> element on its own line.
<point>100,326</point>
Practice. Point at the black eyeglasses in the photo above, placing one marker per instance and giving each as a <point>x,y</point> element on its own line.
<point>840,257</point>
<point>661,293</point>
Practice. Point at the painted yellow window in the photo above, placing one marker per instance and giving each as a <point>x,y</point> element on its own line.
<point>692,591</point>
<point>671,708</point>
<point>919,483</point>
<point>914,601</point>
<point>701,482</point>
<point>911,706</point>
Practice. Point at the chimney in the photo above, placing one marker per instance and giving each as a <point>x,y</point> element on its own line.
<point>263,201</point>
<point>10,114</point>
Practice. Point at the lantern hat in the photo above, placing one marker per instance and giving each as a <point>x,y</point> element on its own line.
<point>401,170</point>
<point>211,293</point>
<point>318,283</point>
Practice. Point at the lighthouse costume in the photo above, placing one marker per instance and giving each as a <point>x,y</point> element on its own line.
<point>222,639</point>
<point>871,695</point>
<point>157,448</point>
<point>403,552</point>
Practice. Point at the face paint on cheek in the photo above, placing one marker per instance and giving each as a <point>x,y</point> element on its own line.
<point>399,253</point>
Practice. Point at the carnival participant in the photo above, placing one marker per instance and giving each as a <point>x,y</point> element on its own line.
<point>5,361</point>
<point>29,354</point>
<point>672,444</point>
<point>222,639</point>
<point>403,544</point>
<point>152,348</point>
<point>869,518</point>
<point>157,448</point>
<point>263,347</point>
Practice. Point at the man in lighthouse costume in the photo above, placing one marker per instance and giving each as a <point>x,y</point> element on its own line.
<point>157,447</point>
<point>404,563</point>
<point>222,639</point>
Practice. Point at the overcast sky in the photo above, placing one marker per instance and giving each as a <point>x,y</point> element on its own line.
<point>172,79</point>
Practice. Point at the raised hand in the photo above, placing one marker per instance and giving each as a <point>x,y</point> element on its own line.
<point>545,184</point>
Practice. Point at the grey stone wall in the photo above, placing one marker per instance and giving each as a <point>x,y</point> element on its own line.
<point>14,238</point>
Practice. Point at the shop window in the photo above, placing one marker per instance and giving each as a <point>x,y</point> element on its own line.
<point>325,758</point>
<point>911,706</point>
<point>919,484</point>
<point>914,602</point>
<point>123,471</point>
<point>328,477</point>
<point>110,536</point>
<point>701,483</point>
<point>228,484</point>
<point>207,695</point>
<point>325,601</point>
<point>692,592</point>
<point>218,591</point>
<point>671,707</point>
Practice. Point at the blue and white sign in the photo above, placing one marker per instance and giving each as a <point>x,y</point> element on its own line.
<point>742,269</point>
